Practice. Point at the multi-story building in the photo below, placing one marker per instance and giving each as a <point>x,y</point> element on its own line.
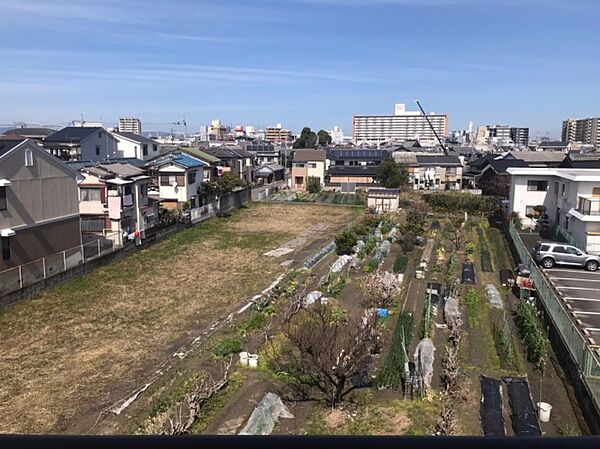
<point>87,143</point>
<point>277,134</point>
<point>519,136</point>
<point>178,176</point>
<point>403,125</point>
<point>498,134</point>
<point>130,125</point>
<point>39,209</point>
<point>308,164</point>
<point>114,197</point>
<point>586,131</point>
<point>132,145</point>
<point>571,198</point>
<point>264,153</point>
<point>351,168</point>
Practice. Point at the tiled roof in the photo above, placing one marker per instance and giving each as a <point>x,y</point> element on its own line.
<point>72,134</point>
<point>310,155</point>
<point>136,138</point>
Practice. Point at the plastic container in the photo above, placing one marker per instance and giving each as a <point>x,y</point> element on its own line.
<point>253,360</point>
<point>544,410</point>
<point>244,358</point>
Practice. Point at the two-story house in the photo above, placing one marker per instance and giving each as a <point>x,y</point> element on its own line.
<point>307,164</point>
<point>131,145</point>
<point>356,167</point>
<point>177,177</point>
<point>91,143</point>
<point>234,159</point>
<point>114,198</point>
<point>264,153</point>
<point>571,198</point>
<point>39,208</point>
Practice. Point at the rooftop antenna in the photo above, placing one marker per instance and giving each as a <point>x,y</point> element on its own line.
<point>432,128</point>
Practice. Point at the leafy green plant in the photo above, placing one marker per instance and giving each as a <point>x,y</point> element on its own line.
<point>370,245</point>
<point>400,263</point>
<point>226,346</point>
<point>486,261</point>
<point>532,334</point>
<point>470,248</point>
<point>313,184</point>
<point>472,301</point>
<point>256,321</point>
<point>458,202</point>
<point>437,268</point>
<point>371,266</point>
<point>392,372</point>
<point>335,288</point>
<point>345,241</point>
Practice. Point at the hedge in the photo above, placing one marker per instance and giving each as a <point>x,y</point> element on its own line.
<point>457,202</point>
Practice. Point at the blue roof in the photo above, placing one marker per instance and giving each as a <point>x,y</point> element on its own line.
<point>179,158</point>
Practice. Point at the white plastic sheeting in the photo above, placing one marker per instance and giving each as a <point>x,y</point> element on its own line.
<point>266,414</point>
<point>340,263</point>
<point>424,357</point>
<point>451,311</point>
<point>312,297</point>
<point>493,296</point>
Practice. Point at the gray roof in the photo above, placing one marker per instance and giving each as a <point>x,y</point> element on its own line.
<point>269,168</point>
<point>538,156</point>
<point>359,154</point>
<point>136,137</point>
<point>438,160</point>
<point>229,152</point>
<point>310,155</point>
<point>380,192</point>
<point>8,144</point>
<point>30,132</point>
<point>72,134</point>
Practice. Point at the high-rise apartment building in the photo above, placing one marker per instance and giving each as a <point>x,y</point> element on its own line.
<point>130,125</point>
<point>520,136</point>
<point>403,125</point>
<point>586,131</point>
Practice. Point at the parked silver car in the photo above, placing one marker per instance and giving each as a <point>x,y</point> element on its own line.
<point>548,254</point>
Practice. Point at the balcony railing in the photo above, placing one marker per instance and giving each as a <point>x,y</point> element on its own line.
<point>588,206</point>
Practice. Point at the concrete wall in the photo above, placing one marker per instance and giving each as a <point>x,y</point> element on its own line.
<point>107,144</point>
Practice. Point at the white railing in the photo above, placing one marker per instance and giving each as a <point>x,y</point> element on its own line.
<point>202,213</point>
<point>29,273</point>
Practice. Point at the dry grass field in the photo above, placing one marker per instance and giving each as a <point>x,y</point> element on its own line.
<point>78,348</point>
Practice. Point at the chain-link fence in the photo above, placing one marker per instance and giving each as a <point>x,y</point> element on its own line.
<point>585,355</point>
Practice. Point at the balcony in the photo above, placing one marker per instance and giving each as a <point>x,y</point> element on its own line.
<point>587,205</point>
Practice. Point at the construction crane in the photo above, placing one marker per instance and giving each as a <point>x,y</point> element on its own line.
<point>432,128</point>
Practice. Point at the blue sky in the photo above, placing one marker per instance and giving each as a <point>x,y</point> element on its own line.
<point>299,62</point>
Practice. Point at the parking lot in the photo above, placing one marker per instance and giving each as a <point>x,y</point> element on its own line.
<point>580,291</point>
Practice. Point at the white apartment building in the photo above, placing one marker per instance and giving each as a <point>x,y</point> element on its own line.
<point>571,197</point>
<point>130,125</point>
<point>586,131</point>
<point>403,125</point>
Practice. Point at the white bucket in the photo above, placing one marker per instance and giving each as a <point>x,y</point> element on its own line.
<point>544,410</point>
<point>244,358</point>
<point>253,360</point>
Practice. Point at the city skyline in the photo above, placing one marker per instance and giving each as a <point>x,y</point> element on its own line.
<point>308,63</point>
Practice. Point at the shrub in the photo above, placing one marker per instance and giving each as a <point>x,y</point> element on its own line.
<point>532,333</point>
<point>345,241</point>
<point>313,184</point>
<point>227,346</point>
<point>370,245</point>
<point>400,263</point>
<point>407,241</point>
<point>457,202</point>
<point>336,287</point>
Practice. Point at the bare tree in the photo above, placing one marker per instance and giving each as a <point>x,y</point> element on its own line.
<point>326,349</point>
<point>382,288</point>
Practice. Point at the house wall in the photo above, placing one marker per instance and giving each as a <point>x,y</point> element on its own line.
<point>35,242</point>
<point>184,192</point>
<point>520,197</point>
<point>92,207</point>
<point>130,148</point>
<point>383,204</point>
<point>107,147</point>
<point>357,179</point>
<point>45,191</point>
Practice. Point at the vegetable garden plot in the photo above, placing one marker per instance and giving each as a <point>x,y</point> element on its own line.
<point>490,409</point>
<point>523,414</point>
<point>468,273</point>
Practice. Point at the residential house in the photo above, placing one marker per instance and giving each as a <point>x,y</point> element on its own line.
<point>571,198</point>
<point>264,153</point>
<point>432,171</point>
<point>177,177</point>
<point>581,160</point>
<point>136,146</point>
<point>92,143</point>
<point>38,134</point>
<point>269,173</point>
<point>39,209</point>
<point>307,164</point>
<point>494,178</point>
<point>350,168</point>
<point>212,163</point>
<point>113,198</point>
<point>234,159</point>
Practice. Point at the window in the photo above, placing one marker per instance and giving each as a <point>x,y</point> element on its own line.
<point>312,165</point>
<point>191,178</point>
<point>531,212</point>
<point>2,198</point>
<point>91,194</point>
<point>560,249</point>
<point>97,150</point>
<point>564,187</point>
<point>537,186</point>
<point>155,148</point>
<point>145,150</point>
<point>556,187</point>
<point>144,190</point>
<point>5,248</point>
<point>544,247</point>
<point>168,180</point>
<point>573,251</point>
<point>99,134</point>
<point>93,224</point>
<point>28,158</point>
